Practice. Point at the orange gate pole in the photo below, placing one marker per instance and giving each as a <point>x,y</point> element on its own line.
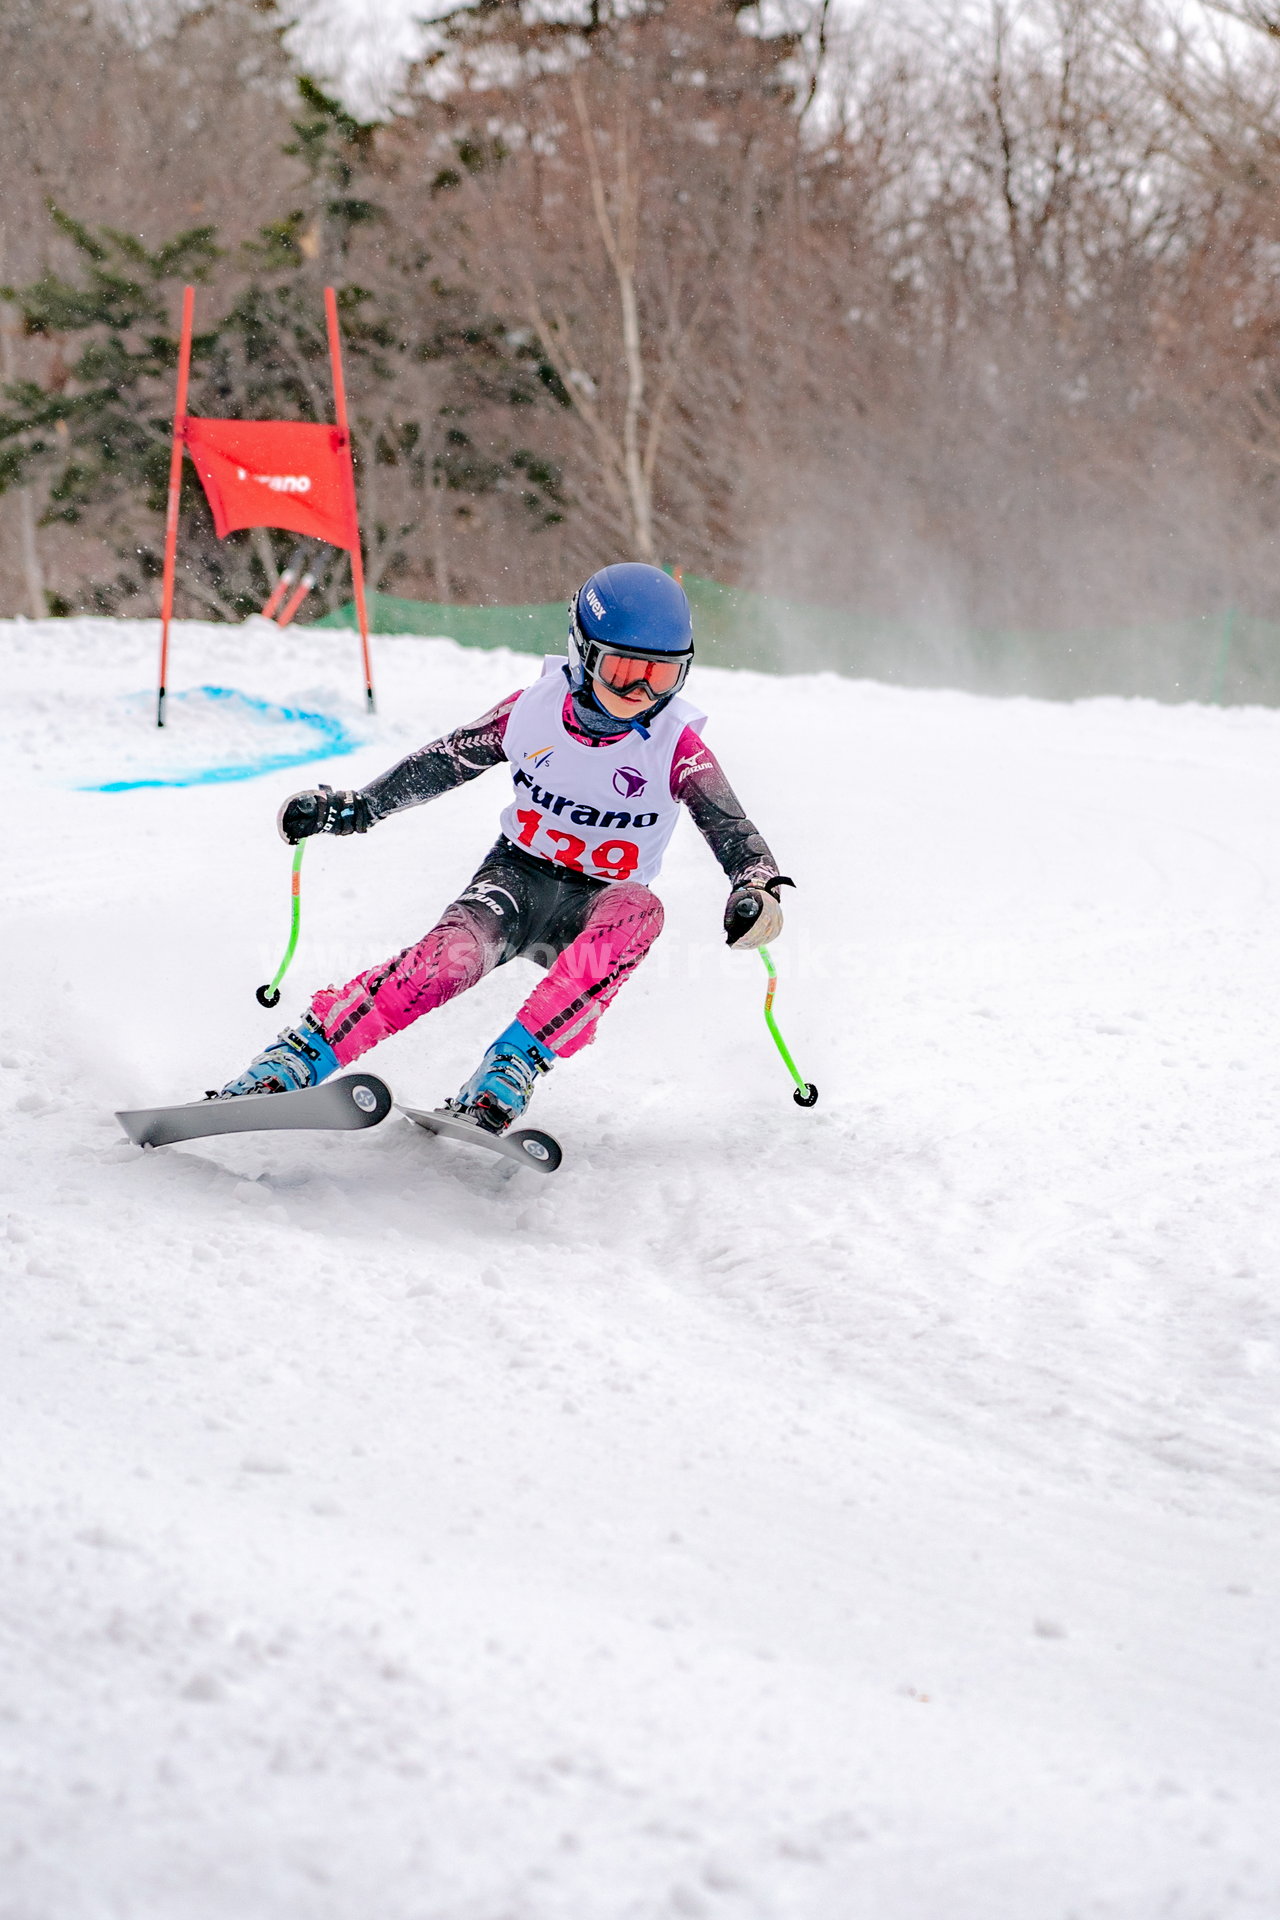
<point>175,488</point>
<point>357,562</point>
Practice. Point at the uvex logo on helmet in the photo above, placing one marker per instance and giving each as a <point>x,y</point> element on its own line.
<point>595,603</point>
<point>628,782</point>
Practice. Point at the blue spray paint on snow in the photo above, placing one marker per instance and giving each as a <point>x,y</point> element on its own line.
<point>330,739</point>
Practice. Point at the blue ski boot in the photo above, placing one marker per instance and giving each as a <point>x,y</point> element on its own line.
<point>301,1057</point>
<point>498,1091</point>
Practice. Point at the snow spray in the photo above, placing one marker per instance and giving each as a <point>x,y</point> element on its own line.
<point>269,996</point>
<point>805,1094</point>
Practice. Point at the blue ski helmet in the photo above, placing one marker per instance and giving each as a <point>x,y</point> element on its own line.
<point>633,610</point>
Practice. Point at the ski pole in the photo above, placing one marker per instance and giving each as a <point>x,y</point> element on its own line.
<point>269,996</point>
<point>805,1094</point>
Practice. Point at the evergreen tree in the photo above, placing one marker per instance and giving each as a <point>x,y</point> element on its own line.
<point>98,438</point>
<point>421,358</point>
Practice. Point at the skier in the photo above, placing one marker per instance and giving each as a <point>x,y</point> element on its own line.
<point>602,752</point>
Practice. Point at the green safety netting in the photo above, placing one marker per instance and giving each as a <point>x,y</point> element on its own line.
<point>1222,657</point>
<point>734,628</point>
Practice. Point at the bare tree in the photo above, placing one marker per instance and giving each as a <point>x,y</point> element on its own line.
<point>613,196</point>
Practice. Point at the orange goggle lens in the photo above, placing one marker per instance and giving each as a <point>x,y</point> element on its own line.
<point>620,672</point>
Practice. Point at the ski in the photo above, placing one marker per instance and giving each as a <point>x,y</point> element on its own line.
<point>526,1146</point>
<point>341,1105</point>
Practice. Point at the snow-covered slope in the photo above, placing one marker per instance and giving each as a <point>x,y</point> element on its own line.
<point>776,1515</point>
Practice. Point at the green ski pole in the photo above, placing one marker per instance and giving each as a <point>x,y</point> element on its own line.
<point>805,1094</point>
<point>269,996</point>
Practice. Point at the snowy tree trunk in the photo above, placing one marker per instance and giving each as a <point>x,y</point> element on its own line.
<point>24,504</point>
<point>32,571</point>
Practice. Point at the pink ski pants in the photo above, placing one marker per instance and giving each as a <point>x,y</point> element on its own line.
<point>590,937</point>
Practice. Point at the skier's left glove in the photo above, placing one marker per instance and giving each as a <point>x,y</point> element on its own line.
<point>321,810</point>
<point>753,916</point>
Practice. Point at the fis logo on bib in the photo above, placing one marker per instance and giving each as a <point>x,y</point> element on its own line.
<point>540,757</point>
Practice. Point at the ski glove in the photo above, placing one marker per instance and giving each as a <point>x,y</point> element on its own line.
<point>321,810</point>
<point>753,916</point>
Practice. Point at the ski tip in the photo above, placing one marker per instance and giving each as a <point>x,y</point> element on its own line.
<point>539,1149</point>
<point>369,1095</point>
<point>525,1146</point>
<point>347,1104</point>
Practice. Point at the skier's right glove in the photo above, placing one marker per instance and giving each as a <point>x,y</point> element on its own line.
<point>321,810</point>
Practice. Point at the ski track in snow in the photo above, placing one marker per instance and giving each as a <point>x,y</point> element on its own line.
<point>776,1515</point>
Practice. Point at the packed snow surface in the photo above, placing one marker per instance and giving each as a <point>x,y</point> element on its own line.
<point>774,1515</point>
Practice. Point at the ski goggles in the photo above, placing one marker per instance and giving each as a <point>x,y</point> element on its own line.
<point>623,673</point>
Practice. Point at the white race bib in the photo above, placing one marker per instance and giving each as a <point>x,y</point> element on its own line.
<point>606,811</point>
